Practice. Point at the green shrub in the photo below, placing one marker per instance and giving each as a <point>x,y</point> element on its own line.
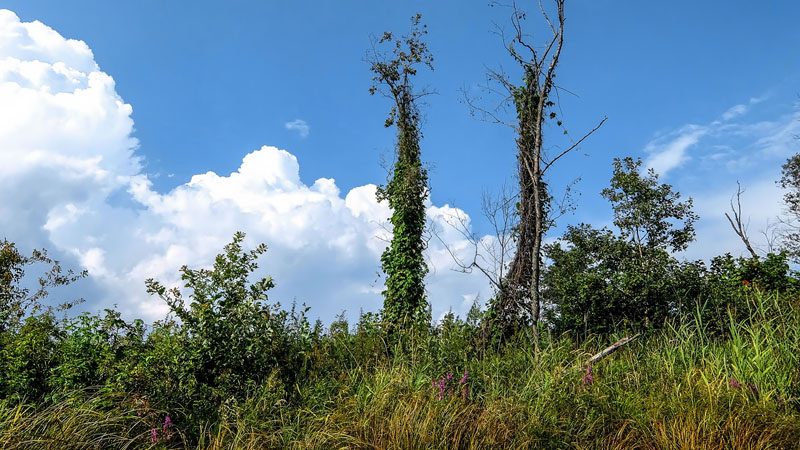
<point>230,339</point>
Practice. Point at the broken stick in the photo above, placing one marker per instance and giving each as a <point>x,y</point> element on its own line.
<point>612,348</point>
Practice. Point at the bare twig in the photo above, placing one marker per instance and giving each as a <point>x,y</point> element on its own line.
<point>489,255</point>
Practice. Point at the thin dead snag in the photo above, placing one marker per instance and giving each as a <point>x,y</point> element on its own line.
<point>739,227</point>
<point>520,287</point>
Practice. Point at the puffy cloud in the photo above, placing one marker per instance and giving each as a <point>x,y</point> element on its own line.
<point>67,157</point>
<point>324,249</point>
<point>300,126</point>
<point>65,135</point>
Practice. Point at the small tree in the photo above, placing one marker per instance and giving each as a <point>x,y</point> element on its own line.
<point>601,280</point>
<point>647,213</point>
<point>403,261</point>
<point>233,339</point>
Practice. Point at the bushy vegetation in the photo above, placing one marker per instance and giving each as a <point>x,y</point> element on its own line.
<point>716,361</point>
<point>237,372</point>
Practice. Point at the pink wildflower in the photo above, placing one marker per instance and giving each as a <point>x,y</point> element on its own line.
<point>588,379</point>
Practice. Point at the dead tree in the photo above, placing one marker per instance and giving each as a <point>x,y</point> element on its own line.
<point>532,105</point>
<point>739,227</point>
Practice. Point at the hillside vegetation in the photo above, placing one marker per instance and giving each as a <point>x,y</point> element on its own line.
<point>237,372</point>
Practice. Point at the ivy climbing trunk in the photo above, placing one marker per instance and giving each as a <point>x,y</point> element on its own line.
<point>403,260</point>
<point>525,271</point>
<point>521,291</point>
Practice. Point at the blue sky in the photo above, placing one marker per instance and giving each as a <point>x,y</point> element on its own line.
<point>705,91</point>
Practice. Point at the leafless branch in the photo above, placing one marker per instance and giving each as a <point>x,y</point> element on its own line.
<point>771,233</point>
<point>736,222</point>
<point>489,255</point>
<point>573,146</point>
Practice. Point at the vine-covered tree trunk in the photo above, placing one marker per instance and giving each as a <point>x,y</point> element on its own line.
<point>521,287</point>
<point>522,283</point>
<point>403,261</point>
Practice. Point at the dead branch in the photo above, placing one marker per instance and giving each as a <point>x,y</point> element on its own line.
<point>612,348</point>
<point>771,233</point>
<point>736,222</point>
<point>489,256</point>
<point>573,146</point>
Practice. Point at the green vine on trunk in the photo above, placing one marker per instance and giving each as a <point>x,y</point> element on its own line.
<point>403,261</point>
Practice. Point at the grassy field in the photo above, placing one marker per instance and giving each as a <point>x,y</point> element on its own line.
<point>676,388</point>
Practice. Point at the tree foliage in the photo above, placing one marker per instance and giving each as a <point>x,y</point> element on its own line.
<point>403,261</point>
<point>16,299</point>
<point>647,213</point>
<point>599,280</point>
<point>231,338</point>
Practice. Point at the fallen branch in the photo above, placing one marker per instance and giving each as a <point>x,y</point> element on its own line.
<point>612,348</point>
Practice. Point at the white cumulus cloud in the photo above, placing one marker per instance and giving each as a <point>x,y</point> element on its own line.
<point>67,147</point>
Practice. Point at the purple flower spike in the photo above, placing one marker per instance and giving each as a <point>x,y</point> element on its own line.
<point>167,421</point>
<point>734,384</point>
<point>588,379</point>
<point>464,378</point>
<point>153,436</point>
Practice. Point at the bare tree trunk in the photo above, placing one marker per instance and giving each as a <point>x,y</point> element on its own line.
<point>520,291</point>
<point>538,230</point>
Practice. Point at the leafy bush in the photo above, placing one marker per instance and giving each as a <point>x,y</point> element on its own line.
<point>231,340</point>
<point>97,351</point>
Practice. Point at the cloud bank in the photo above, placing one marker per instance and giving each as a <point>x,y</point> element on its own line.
<point>71,181</point>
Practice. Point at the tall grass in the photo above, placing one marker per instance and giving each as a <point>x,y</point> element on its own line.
<point>677,388</point>
<point>84,421</point>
